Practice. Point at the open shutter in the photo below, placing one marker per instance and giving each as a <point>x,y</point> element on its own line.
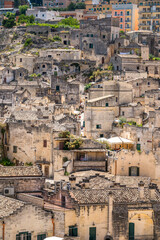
<point>75,233</point>
<point>29,236</point>
<point>137,171</point>
<point>17,237</point>
<point>129,171</point>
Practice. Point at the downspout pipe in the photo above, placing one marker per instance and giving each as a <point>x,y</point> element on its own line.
<point>3,230</point>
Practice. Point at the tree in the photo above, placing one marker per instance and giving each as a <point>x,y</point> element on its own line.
<point>16,3</point>
<point>81,5</point>
<point>26,19</point>
<point>9,21</point>
<point>71,6</point>
<point>23,9</point>
<point>70,21</point>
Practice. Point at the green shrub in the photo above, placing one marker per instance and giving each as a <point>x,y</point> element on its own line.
<point>65,159</point>
<point>10,21</point>
<point>73,144</point>
<point>66,173</point>
<point>29,164</point>
<point>87,86</point>
<point>6,162</point>
<point>57,38</point>
<point>23,9</point>
<point>28,42</point>
<point>65,134</point>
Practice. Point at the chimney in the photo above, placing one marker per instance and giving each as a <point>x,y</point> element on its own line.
<point>72,180</point>
<point>141,189</point>
<point>86,182</point>
<point>152,189</point>
<point>110,212</point>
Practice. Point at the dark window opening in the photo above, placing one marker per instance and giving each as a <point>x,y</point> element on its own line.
<point>133,171</point>
<point>73,231</point>
<point>44,143</point>
<point>41,236</point>
<point>14,149</point>
<point>63,201</point>
<point>57,88</point>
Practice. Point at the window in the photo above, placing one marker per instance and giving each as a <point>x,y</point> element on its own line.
<point>57,88</point>
<point>43,66</point>
<point>46,171</point>
<point>63,201</point>
<point>133,171</point>
<point>91,45</point>
<point>122,113</point>
<point>138,147</point>
<point>24,236</point>
<point>121,26</point>
<point>137,84</point>
<point>115,13</point>
<point>98,126</point>
<point>104,36</point>
<point>44,143</point>
<point>73,231</point>
<point>116,99</point>
<point>121,13</point>
<point>121,20</point>
<point>91,35</point>
<point>148,83</point>
<point>107,104</point>
<point>14,149</point>
<point>137,67</point>
<point>20,60</point>
<point>41,236</point>
<point>101,135</point>
<point>49,56</point>
<point>128,13</point>
<point>20,74</point>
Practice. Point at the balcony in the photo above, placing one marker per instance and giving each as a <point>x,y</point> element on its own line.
<point>80,165</point>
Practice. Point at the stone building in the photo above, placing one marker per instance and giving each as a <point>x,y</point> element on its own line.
<point>20,179</point>
<point>25,61</point>
<point>89,155</point>
<point>98,208</point>
<point>96,37</point>
<point>8,74</point>
<point>104,100</point>
<point>132,62</point>
<point>64,92</point>
<point>24,221</point>
<point>38,130</point>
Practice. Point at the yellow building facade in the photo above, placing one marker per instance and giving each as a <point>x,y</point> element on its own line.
<point>149,15</point>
